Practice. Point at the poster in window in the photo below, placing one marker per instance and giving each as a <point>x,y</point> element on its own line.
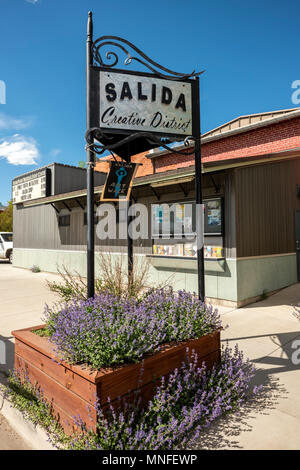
<point>213,216</point>
<point>213,251</point>
<point>179,212</point>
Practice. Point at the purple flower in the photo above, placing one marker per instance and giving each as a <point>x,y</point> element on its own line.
<point>109,330</point>
<point>184,405</point>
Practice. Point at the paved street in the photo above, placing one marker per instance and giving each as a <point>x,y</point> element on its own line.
<point>264,331</point>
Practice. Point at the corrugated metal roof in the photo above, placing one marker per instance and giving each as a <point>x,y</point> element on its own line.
<point>249,119</point>
<point>47,166</point>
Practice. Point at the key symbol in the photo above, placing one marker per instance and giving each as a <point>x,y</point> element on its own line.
<point>120,174</point>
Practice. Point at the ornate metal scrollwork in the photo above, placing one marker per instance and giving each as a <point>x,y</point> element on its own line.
<point>112,60</point>
<point>143,59</point>
<point>99,149</point>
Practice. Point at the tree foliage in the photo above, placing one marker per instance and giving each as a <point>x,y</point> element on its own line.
<point>6,219</point>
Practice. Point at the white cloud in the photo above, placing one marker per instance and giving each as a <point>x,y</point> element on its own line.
<point>54,152</point>
<point>19,150</point>
<point>32,1</point>
<point>8,122</point>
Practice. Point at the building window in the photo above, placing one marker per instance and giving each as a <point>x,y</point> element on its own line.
<point>64,220</point>
<point>85,218</point>
<point>213,216</point>
<point>173,228</point>
<point>173,220</point>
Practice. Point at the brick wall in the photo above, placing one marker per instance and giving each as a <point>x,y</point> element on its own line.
<point>263,141</point>
<point>146,167</point>
<point>278,137</point>
<point>284,135</point>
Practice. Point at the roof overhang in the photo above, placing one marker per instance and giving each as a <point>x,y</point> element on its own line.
<point>178,176</point>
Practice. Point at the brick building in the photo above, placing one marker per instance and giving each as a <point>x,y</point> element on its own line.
<point>251,179</point>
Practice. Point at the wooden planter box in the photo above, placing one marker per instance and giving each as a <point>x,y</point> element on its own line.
<point>73,390</point>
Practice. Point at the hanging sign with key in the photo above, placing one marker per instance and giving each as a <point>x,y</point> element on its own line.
<point>119,181</point>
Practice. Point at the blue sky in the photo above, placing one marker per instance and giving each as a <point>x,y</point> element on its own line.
<point>249,49</point>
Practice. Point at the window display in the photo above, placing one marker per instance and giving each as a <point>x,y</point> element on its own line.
<point>213,251</point>
<point>169,250</point>
<point>172,221</point>
<point>175,220</point>
<point>188,250</point>
<point>213,217</point>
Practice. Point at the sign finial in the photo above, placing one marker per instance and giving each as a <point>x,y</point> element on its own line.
<point>90,26</point>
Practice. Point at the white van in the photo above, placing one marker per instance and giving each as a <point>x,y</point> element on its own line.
<point>6,245</point>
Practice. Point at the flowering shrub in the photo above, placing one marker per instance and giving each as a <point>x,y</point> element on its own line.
<point>29,400</point>
<point>184,405</point>
<point>35,269</point>
<point>189,401</point>
<point>110,329</point>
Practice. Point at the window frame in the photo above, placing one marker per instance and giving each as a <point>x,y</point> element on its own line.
<point>174,235</point>
<point>219,233</point>
<point>64,217</point>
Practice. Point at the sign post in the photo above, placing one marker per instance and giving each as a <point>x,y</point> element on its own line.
<point>118,187</point>
<point>199,211</point>
<point>90,167</point>
<point>130,112</point>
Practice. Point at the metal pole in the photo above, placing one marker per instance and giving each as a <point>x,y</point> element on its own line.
<point>129,241</point>
<point>130,249</point>
<point>90,168</point>
<point>198,190</point>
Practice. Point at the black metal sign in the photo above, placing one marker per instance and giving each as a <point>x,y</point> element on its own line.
<point>129,112</point>
<point>119,181</point>
<point>142,102</point>
<point>151,108</point>
<point>132,111</point>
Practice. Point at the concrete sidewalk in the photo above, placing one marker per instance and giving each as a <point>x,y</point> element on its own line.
<point>264,330</point>
<point>9,439</point>
<point>23,295</point>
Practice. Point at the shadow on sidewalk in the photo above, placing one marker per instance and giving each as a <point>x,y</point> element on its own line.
<point>225,431</point>
<point>283,344</point>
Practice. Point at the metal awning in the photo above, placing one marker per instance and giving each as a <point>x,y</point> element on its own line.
<point>61,197</point>
<point>173,178</point>
<point>177,176</point>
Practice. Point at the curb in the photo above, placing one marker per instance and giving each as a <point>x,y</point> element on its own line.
<point>34,436</point>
